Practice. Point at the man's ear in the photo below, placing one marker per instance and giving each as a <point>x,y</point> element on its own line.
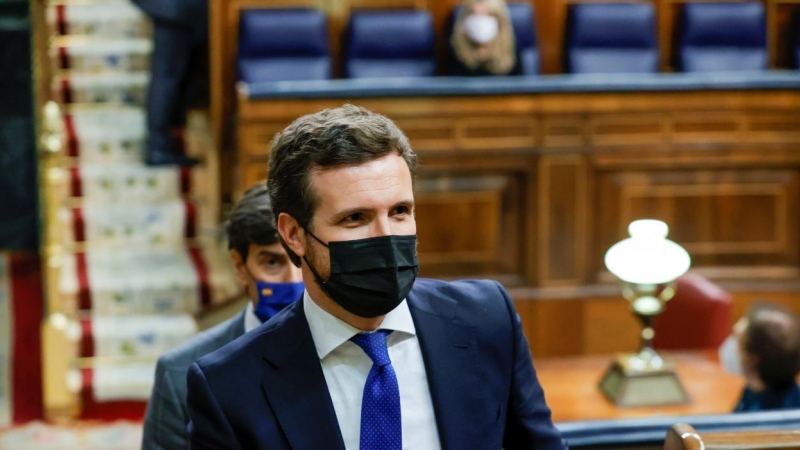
<point>240,265</point>
<point>749,362</point>
<point>290,231</point>
<point>750,369</point>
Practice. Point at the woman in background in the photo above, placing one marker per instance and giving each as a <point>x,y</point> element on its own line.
<point>482,42</point>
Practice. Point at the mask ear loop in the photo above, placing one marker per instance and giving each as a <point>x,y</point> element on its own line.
<point>314,272</point>
<point>315,237</point>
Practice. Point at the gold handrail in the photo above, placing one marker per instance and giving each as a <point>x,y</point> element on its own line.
<point>52,131</point>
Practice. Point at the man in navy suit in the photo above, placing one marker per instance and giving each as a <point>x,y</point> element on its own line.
<point>371,357</point>
<point>271,282</point>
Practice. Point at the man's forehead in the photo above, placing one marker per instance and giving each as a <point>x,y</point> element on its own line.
<point>368,166</point>
<point>337,183</point>
<point>275,248</point>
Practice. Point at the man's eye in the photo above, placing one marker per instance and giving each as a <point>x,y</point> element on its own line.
<point>400,210</point>
<point>272,262</point>
<point>354,217</point>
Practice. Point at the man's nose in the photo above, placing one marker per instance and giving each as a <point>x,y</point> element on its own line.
<point>381,227</point>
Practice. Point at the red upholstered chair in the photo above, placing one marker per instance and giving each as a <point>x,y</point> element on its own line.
<point>698,317</point>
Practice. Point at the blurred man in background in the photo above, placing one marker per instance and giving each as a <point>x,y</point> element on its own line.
<point>271,281</point>
<point>765,348</point>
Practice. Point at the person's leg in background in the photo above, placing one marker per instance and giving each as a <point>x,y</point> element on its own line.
<point>170,71</point>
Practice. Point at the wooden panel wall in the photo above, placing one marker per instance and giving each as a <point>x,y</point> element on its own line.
<point>604,325</point>
<point>533,189</point>
<point>562,215</point>
<point>725,218</point>
<point>476,231</point>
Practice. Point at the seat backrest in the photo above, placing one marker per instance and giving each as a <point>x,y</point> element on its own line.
<point>697,317</point>
<point>795,45</point>
<point>283,44</point>
<point>524,23</point>
<point>684,437</point>
<point>723,37</point>
<point>612,38</point>
<point>391,43</point>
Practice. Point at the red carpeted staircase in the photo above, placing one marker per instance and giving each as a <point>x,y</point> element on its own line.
<point>132,254</point>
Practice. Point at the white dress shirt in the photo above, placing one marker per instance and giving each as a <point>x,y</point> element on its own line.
<point>251,320</point>
<point>346,366</point>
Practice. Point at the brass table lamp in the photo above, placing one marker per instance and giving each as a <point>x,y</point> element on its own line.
<point>647,265</point>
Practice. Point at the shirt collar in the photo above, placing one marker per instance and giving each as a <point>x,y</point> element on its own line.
<point>251,320</point>
<point>330,332</point>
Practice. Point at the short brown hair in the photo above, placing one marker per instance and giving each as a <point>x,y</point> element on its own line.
<point>251,221</point>
<point>773,337</point>
<point>345,136</point>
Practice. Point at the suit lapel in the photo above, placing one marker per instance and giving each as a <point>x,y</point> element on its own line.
<point>449,351</point>
<point>295,386</point>
<point>237,326</point>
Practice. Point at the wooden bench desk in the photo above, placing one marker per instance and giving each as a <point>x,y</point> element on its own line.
<point>571,388</point>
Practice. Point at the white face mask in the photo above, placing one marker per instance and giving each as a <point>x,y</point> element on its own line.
<point>729,356</point>
<point>481,28</point>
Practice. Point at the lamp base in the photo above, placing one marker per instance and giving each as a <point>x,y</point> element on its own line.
<point>627,383</point>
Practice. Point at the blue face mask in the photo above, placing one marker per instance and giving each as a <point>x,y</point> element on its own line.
<point>273,297</point>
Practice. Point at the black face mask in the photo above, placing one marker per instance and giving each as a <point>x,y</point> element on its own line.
<point>370,277</point>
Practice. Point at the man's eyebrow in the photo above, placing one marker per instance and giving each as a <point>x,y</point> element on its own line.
<point>360,209</point>
<point>269,253</point>
<point>348,212</point>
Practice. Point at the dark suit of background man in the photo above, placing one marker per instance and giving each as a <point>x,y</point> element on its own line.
<point>180,42</point>
<point>270,281</point>
<point>458,374</point>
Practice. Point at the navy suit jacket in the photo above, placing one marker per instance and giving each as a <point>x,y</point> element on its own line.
<point>266,390</point>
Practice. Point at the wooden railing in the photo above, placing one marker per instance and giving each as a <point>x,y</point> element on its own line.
<point>684,437</point>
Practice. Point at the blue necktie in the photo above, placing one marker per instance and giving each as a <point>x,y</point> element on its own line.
<point>380,408</point>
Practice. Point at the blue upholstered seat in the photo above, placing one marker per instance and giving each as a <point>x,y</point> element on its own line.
<point>612,38</point>
<point>723,37</point>
<point>383,44</point>
<point>522,19</point>
<point>283,44</point>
